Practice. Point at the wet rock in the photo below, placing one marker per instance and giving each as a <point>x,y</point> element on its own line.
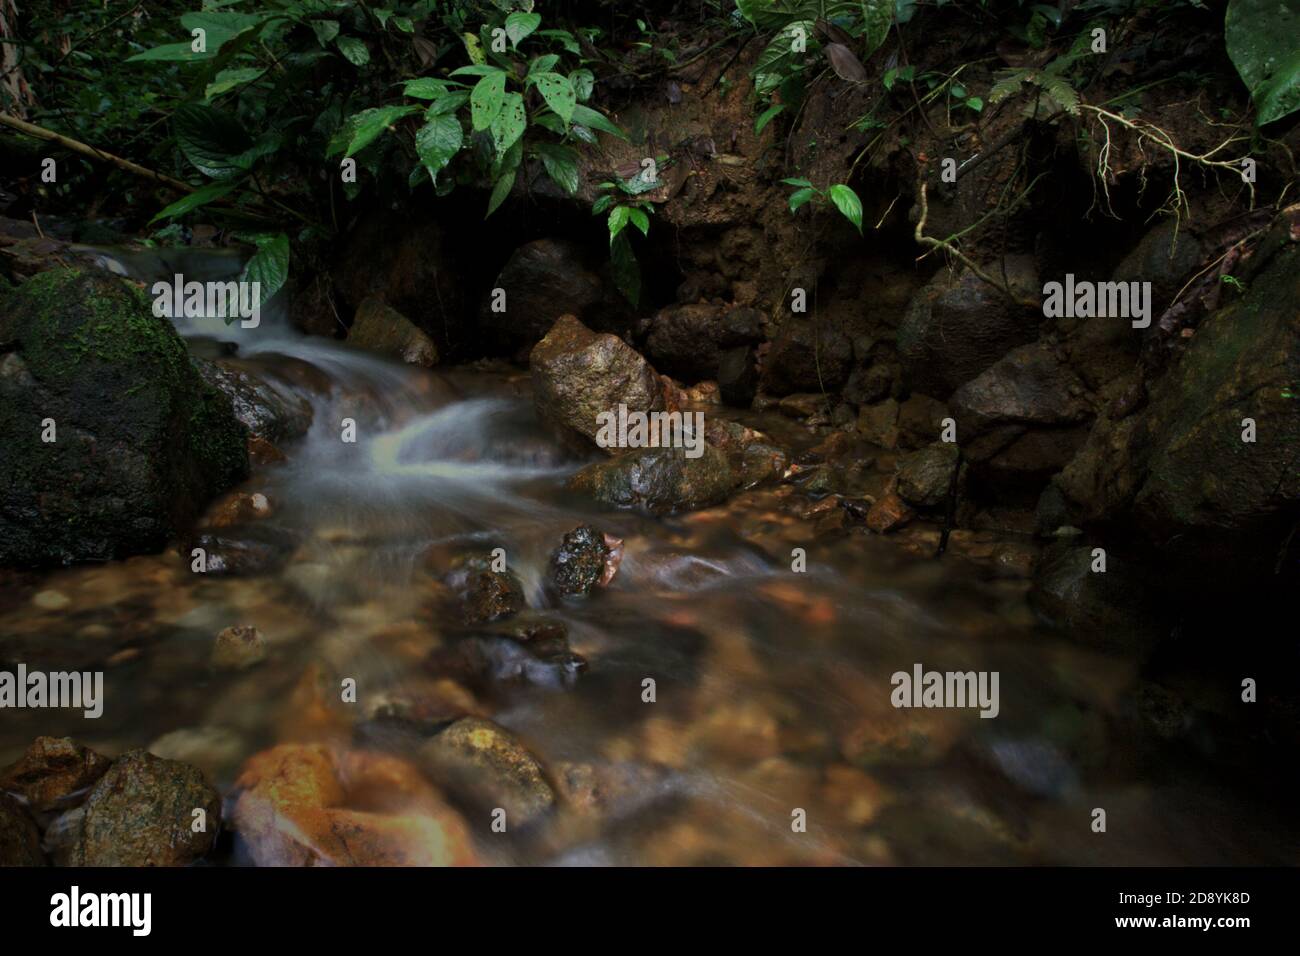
<point>1110,610</point>
<point>1036,766</point>
<point>870,384</point>
<point>493,766</point>
<point>306,805</point>
<point>490,596</point>
<point>660,480</point>
<point>238,648</point>
<point>605,790</point>
<point>889,513</point>
<point>543,280</point>
<point>484,660</point>
<point>878,424</point>
<point>63,836</point>
<point>379,327</point>
<point>53,771</point>
<point>688,340</point>
<point>578,564</point>
<point>269,409</point>
<point>123,476</point>
<point>925,476</point>
<point>921,421</point>
<point>141,813</point>
<point>1216,508</point>
<point>216,751</point>
<point>256,550</point>
<point>806,357</point>
<point>956,328</point>
<point>20,841</point>
<point>578,374</point>
<point>238,507</point>
<point>1030,386</point>
<point>412,265</point>
<point>738,375</point>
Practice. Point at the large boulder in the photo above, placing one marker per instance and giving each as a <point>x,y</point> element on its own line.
<point>1021,417</point>
<point>955,328</point>
<point>542,280</point>
<point>268,408</point>
<point>409,264</point>
<point>806,357</point>
<point>1180,470</point>
<point>578,373</point>
<point>142,443</point>
<point>142,813</point>
<point>659,480</point>
<point>688,341</point>
<point>379,327</point>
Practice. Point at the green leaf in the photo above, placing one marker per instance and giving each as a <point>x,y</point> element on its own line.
<point>172,53</point>
<point>448,104</point>
<point>1261,40</point>
<point>200,197</point>
<point>558,93</point>
<point>584,84</point>
<point>425,88</point>
<point>625,269</point>
<point>520,25</point>
<point>269,265</point>
<point>476,69</point>
<point>601,204</point>
<point>509,124</point>
<point>500,191</point>
<point>437,143</point>
<point>486,100</point>
<point>847,202</point>
<point>353,50</point>
<point>325,30</point>
<point>363,128</point>
<point>566,39</point>
<point>210,140</point>
<point>618,220</point>
<point>561,164</point>
<point>586,116</point>
<point>800,197</point>
<point>640,220</point>
<point>473,47</point>
<point>798,182</point>
<point>543,64</point>
<point>766,117</point>
<point>227,80</point>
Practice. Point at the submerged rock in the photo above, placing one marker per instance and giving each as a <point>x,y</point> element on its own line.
<point>140,442</point>
<point>1107,609</point>
<point>141,813</point>
<point>238,648</point>
<point>577,374</point>
<point>379,327</point>
<point>306,805</point>
<point>20,841</point>
<point>660,480</point>
<point>578,564</point>
<point>53,770</point>
<point>490,596</point>
<point>493,766</point>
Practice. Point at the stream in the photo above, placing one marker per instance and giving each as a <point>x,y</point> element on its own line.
<point>771,687</point>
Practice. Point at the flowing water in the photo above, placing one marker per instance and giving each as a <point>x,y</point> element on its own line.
<point>772,688</point>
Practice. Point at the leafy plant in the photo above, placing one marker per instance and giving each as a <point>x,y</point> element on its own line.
<point>621,207</point>
<point>1261,36</point>
<point>840,196</point>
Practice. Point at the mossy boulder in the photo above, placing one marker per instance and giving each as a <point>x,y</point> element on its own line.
<point>659,480</point>
<point>140,441</point>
